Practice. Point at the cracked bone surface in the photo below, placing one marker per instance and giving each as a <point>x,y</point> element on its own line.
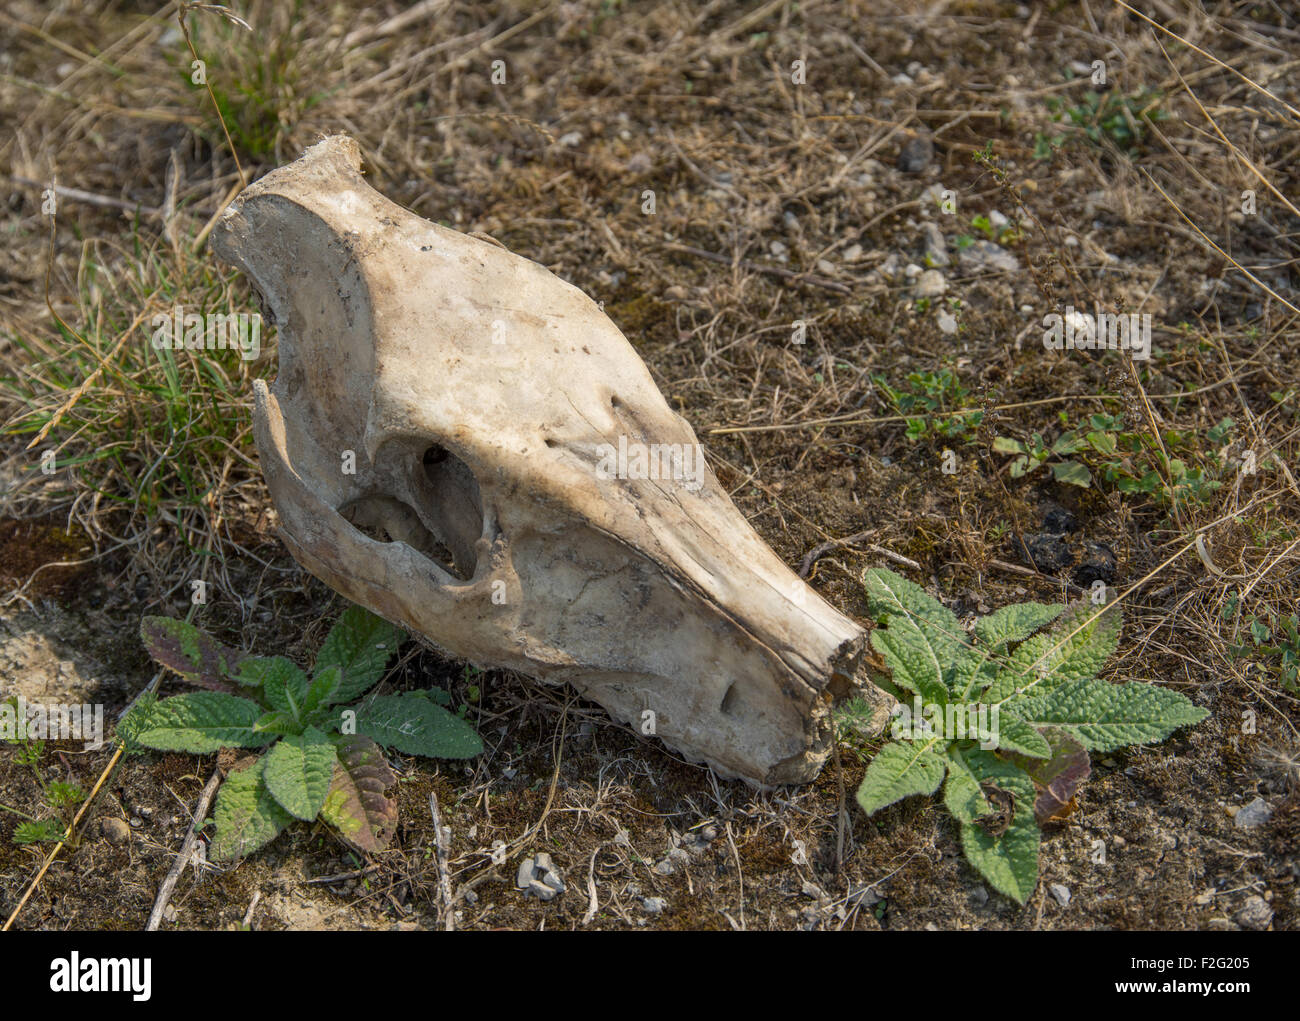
<point>468,446</point>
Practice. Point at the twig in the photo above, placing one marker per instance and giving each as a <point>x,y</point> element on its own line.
<point>1029,572</point>
<point>740,876</point>
<point>852,418</point>
<point>820,551</point>
<point>252,906</point>
<point>182,10</point>
<point>90,197</point>
<point>444,873</point>
<point>183,855</point>
<point>593,895</point>
<point>1210,56</point>
<point>1210,241</point>
<point>103,777</point>
<point>342,876</point>
<point>397,23</point>
<point>840,813</point>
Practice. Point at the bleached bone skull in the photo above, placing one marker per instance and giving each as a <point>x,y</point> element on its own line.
<point>466,445</point>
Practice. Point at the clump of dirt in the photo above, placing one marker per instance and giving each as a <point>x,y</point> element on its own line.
<point>42,560</point>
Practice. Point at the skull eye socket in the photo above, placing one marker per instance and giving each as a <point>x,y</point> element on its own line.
<point>433,505</point>
<point>449,503</point>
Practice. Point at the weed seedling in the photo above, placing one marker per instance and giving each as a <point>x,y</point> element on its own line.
<point>321,760</point>
<point>1006,714</point>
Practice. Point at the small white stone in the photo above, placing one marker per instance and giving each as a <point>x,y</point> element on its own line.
<point>930,284</point>
<point>1257,813</point>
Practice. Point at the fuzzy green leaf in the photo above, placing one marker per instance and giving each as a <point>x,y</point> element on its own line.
<point>1015,623</point>
<point>196,656</point>
<point>130,725</point>
<point>1103,716</point>
<point>974,671</point>
<point>322,689</point>
<point>898,771</point>
<point>299,772</point>
<point>1005,851</point>
<point>1103,443</point>
<point>198,722</point>
<point>360,644</point>
<point>356,805</point>
<point>282,680</point>
<point>961,794</point>
<point>1014,735</point>
<point>920,641</point>
<point>415,726</point>
<point>912,663</point>
<point>247,817</point>
<point>278,724</point>
<point>1076,648</point>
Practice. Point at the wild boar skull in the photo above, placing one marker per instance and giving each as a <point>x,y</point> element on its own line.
<point>468,446</point>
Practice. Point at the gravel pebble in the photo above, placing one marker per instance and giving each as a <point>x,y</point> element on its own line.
<point>1255,914</point>
<point>115,831</point>
<point>1257,813</point>
<point>930,284</point>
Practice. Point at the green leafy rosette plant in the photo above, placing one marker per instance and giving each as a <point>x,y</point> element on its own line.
<point>1052,711</point>
<point>321,760</point>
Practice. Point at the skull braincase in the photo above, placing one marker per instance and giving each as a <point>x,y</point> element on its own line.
<point>438,444</point>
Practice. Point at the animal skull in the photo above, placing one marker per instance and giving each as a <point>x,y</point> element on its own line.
<point>466,445</point>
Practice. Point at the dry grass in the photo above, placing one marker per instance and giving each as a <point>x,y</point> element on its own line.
<point>774,202</point>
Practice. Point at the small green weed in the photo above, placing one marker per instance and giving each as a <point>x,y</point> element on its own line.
<point>933,404</point>
<point>1128,462</point>
<point>321,760</point>
<point>1008,713</point>
<point>1123,120</point>
<point>1274,642</point>
<point>60,797</point>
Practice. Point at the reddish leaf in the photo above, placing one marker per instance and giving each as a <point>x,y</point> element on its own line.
<point>356,804</point>
<point>1057,778</point>
<point>198,658</point>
